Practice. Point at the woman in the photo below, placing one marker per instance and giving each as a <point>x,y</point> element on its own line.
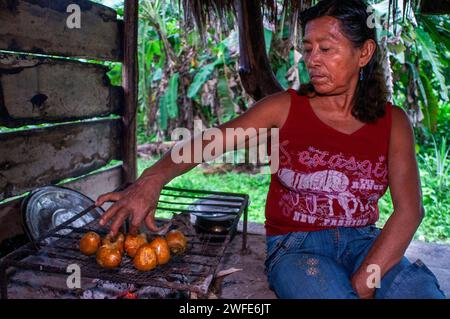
<point>341,146</point>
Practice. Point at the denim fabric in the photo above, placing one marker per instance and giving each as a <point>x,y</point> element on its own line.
<point>320,264</point>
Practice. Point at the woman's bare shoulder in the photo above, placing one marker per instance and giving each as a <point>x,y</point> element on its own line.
<point>400,117</point>
<point>401,130</point>
<point>280,104</point>
<point>275,106</point>
<point>279,98</point>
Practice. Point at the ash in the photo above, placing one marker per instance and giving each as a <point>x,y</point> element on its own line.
<point>112,290</point>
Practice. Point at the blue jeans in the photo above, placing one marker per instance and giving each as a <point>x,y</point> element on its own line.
<point>320,264</point>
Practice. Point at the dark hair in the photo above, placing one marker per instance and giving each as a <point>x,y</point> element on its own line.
<point>370,98</point>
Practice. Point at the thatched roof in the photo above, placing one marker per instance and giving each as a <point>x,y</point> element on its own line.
<point>201,11</point>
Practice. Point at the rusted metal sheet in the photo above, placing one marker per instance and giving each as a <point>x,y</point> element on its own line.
<point>31,158</point>
<point>91,185</point>
<point>51,27</point>
<point>36,90</point>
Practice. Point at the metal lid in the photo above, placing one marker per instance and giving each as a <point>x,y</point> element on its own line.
<point>47,207</point>
<point>224,211</point>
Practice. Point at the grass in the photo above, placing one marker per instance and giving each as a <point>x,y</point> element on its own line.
<point>255,185</point>
<point>434,228</point>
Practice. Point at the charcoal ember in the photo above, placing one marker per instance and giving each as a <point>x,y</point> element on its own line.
<point>153,293</point>
<point>107,290</point>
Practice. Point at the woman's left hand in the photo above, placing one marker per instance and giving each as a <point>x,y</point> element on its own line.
<point>359,283</point>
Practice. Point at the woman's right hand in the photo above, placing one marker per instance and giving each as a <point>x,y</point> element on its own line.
<point>138,200</point>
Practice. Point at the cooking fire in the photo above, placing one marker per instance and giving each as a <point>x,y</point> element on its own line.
<point>77,259</point>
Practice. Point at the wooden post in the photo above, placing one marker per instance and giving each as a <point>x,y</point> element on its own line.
<point>254,67</point>
<point>130,86</point>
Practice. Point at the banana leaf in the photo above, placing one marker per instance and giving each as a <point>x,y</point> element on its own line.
<point>163,112</point>
<point>431,109</point>
<point>171,96</point>
<point>429,53</point>
<point>225,100</point>
<point>268,39</point>
<point>281,76</point>
<point>200,78</point>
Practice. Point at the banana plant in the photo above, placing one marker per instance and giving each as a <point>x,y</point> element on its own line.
<point>413,44</point>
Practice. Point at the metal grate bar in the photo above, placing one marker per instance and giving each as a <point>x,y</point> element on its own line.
<point>59,247</point>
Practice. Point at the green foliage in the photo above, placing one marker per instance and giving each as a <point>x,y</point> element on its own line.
<point>163,112</point>
<point>268,39</point>
<point>115,73</point>
<point>304,76</point>
<point>255,185</point>
<point>438,163</point>
<point>429,53</point>
<point>171,96</point>
<point>435,178</point>
<point>225,100</point>
<point>281,76</point>
<point>200,78</point>
<point>430,106</point>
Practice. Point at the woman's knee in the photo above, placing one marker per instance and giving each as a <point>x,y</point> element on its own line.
<point>411,281</point>
<point>304,276</point>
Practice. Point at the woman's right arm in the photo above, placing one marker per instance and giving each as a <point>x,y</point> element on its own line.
<point>140,199</point>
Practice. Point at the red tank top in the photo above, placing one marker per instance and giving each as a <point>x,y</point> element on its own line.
<point>326,178</point>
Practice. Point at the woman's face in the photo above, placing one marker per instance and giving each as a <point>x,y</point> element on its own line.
<point>332,60</point>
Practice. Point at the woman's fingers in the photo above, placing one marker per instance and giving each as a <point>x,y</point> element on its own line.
<point>110,212</point>
<point>127,203</point>
<point>135,223</point>
<point>108,197</point>
<point>150,222</point>
<point>118,221</point>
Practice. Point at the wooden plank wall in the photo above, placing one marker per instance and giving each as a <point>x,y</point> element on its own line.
<point>57,87</point>
<point>40,26</point>
<point>41,90</point>
<point>31,158</point>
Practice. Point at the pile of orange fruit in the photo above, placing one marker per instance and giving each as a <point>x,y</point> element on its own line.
<point>146,256</point>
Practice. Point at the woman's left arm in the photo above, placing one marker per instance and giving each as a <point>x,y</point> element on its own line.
<point>404,183</point>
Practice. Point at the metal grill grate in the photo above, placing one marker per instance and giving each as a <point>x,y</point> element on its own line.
<point>191,272</point>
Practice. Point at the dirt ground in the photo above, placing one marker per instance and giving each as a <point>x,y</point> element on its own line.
<point>251,281</point>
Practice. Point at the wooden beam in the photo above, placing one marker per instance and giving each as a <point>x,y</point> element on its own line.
<point>254,67</point>
<point>36,90</point>
<point>91,185</point>
<point>130,86</point>
<point>47,155</point>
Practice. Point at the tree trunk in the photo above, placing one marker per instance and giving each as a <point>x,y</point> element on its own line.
<point>256,74</point>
